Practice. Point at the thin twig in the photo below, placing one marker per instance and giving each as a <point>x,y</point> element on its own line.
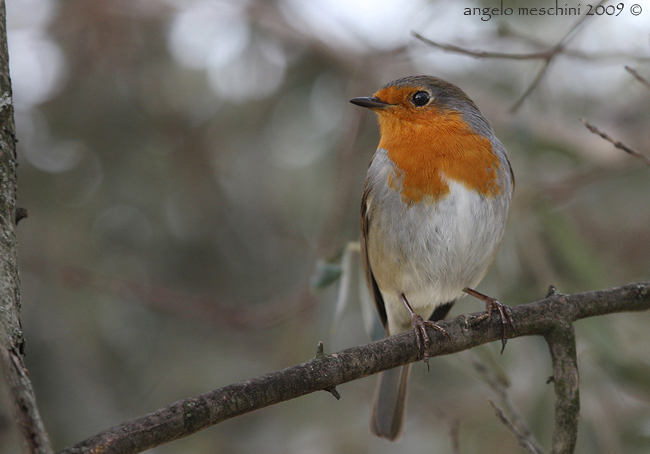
<point>523,440</point>
<point>516,423</point>
<point>638,76</point>
<point>553,52</point>
<point>481,53</point>
<point>506,31</point>
<point>533,84</point>
<point>618,144</point>
<point>538,55</point>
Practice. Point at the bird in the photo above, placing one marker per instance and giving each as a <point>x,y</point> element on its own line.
<point>433,213</point>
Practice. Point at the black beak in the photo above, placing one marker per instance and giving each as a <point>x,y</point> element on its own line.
<point>370,103</point>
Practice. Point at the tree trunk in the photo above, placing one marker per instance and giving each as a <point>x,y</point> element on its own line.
<point>12,343</point>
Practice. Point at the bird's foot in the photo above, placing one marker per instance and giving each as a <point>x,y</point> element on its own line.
<point>424,341</point>
<point>491,305</point>
<point>420,326</point>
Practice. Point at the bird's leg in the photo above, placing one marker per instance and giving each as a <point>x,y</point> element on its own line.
<point>492,305</point>
<point>419,325</point>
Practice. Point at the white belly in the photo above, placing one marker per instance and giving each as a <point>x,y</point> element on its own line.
<point>431,252</point>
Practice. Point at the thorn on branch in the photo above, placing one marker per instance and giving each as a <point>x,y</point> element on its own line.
<point>20,214</point>
<point>552,291</point>
<point>334,392</point>
<point>618,144</point>
<point>319,350</point>
<point>319,354</point>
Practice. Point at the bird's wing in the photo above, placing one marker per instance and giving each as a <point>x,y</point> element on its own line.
<point>370,278</point>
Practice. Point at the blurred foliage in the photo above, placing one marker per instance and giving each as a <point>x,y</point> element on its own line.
<point>188,164</point>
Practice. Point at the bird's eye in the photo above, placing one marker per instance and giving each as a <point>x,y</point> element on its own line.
<point>421,98</point>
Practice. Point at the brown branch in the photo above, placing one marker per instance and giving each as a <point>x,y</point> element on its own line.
<point>562,344</point>
<point>12,343</point>
<point>618,144</point>
<point>325,372</point>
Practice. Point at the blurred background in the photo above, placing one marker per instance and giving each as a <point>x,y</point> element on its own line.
<point>193,170</point>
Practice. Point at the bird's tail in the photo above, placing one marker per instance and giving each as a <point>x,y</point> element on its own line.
<point>387,419</point>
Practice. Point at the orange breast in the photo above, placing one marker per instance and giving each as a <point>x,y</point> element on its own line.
<point>430,149</point>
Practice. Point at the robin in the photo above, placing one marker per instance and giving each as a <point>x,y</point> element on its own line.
<point>433,212</point>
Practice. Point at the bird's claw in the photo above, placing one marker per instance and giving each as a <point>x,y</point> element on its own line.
<point>492,305</point>
<point>422,337</point>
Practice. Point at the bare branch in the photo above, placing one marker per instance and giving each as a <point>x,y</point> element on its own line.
<point>325,372</point>
<point>616,143</point>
